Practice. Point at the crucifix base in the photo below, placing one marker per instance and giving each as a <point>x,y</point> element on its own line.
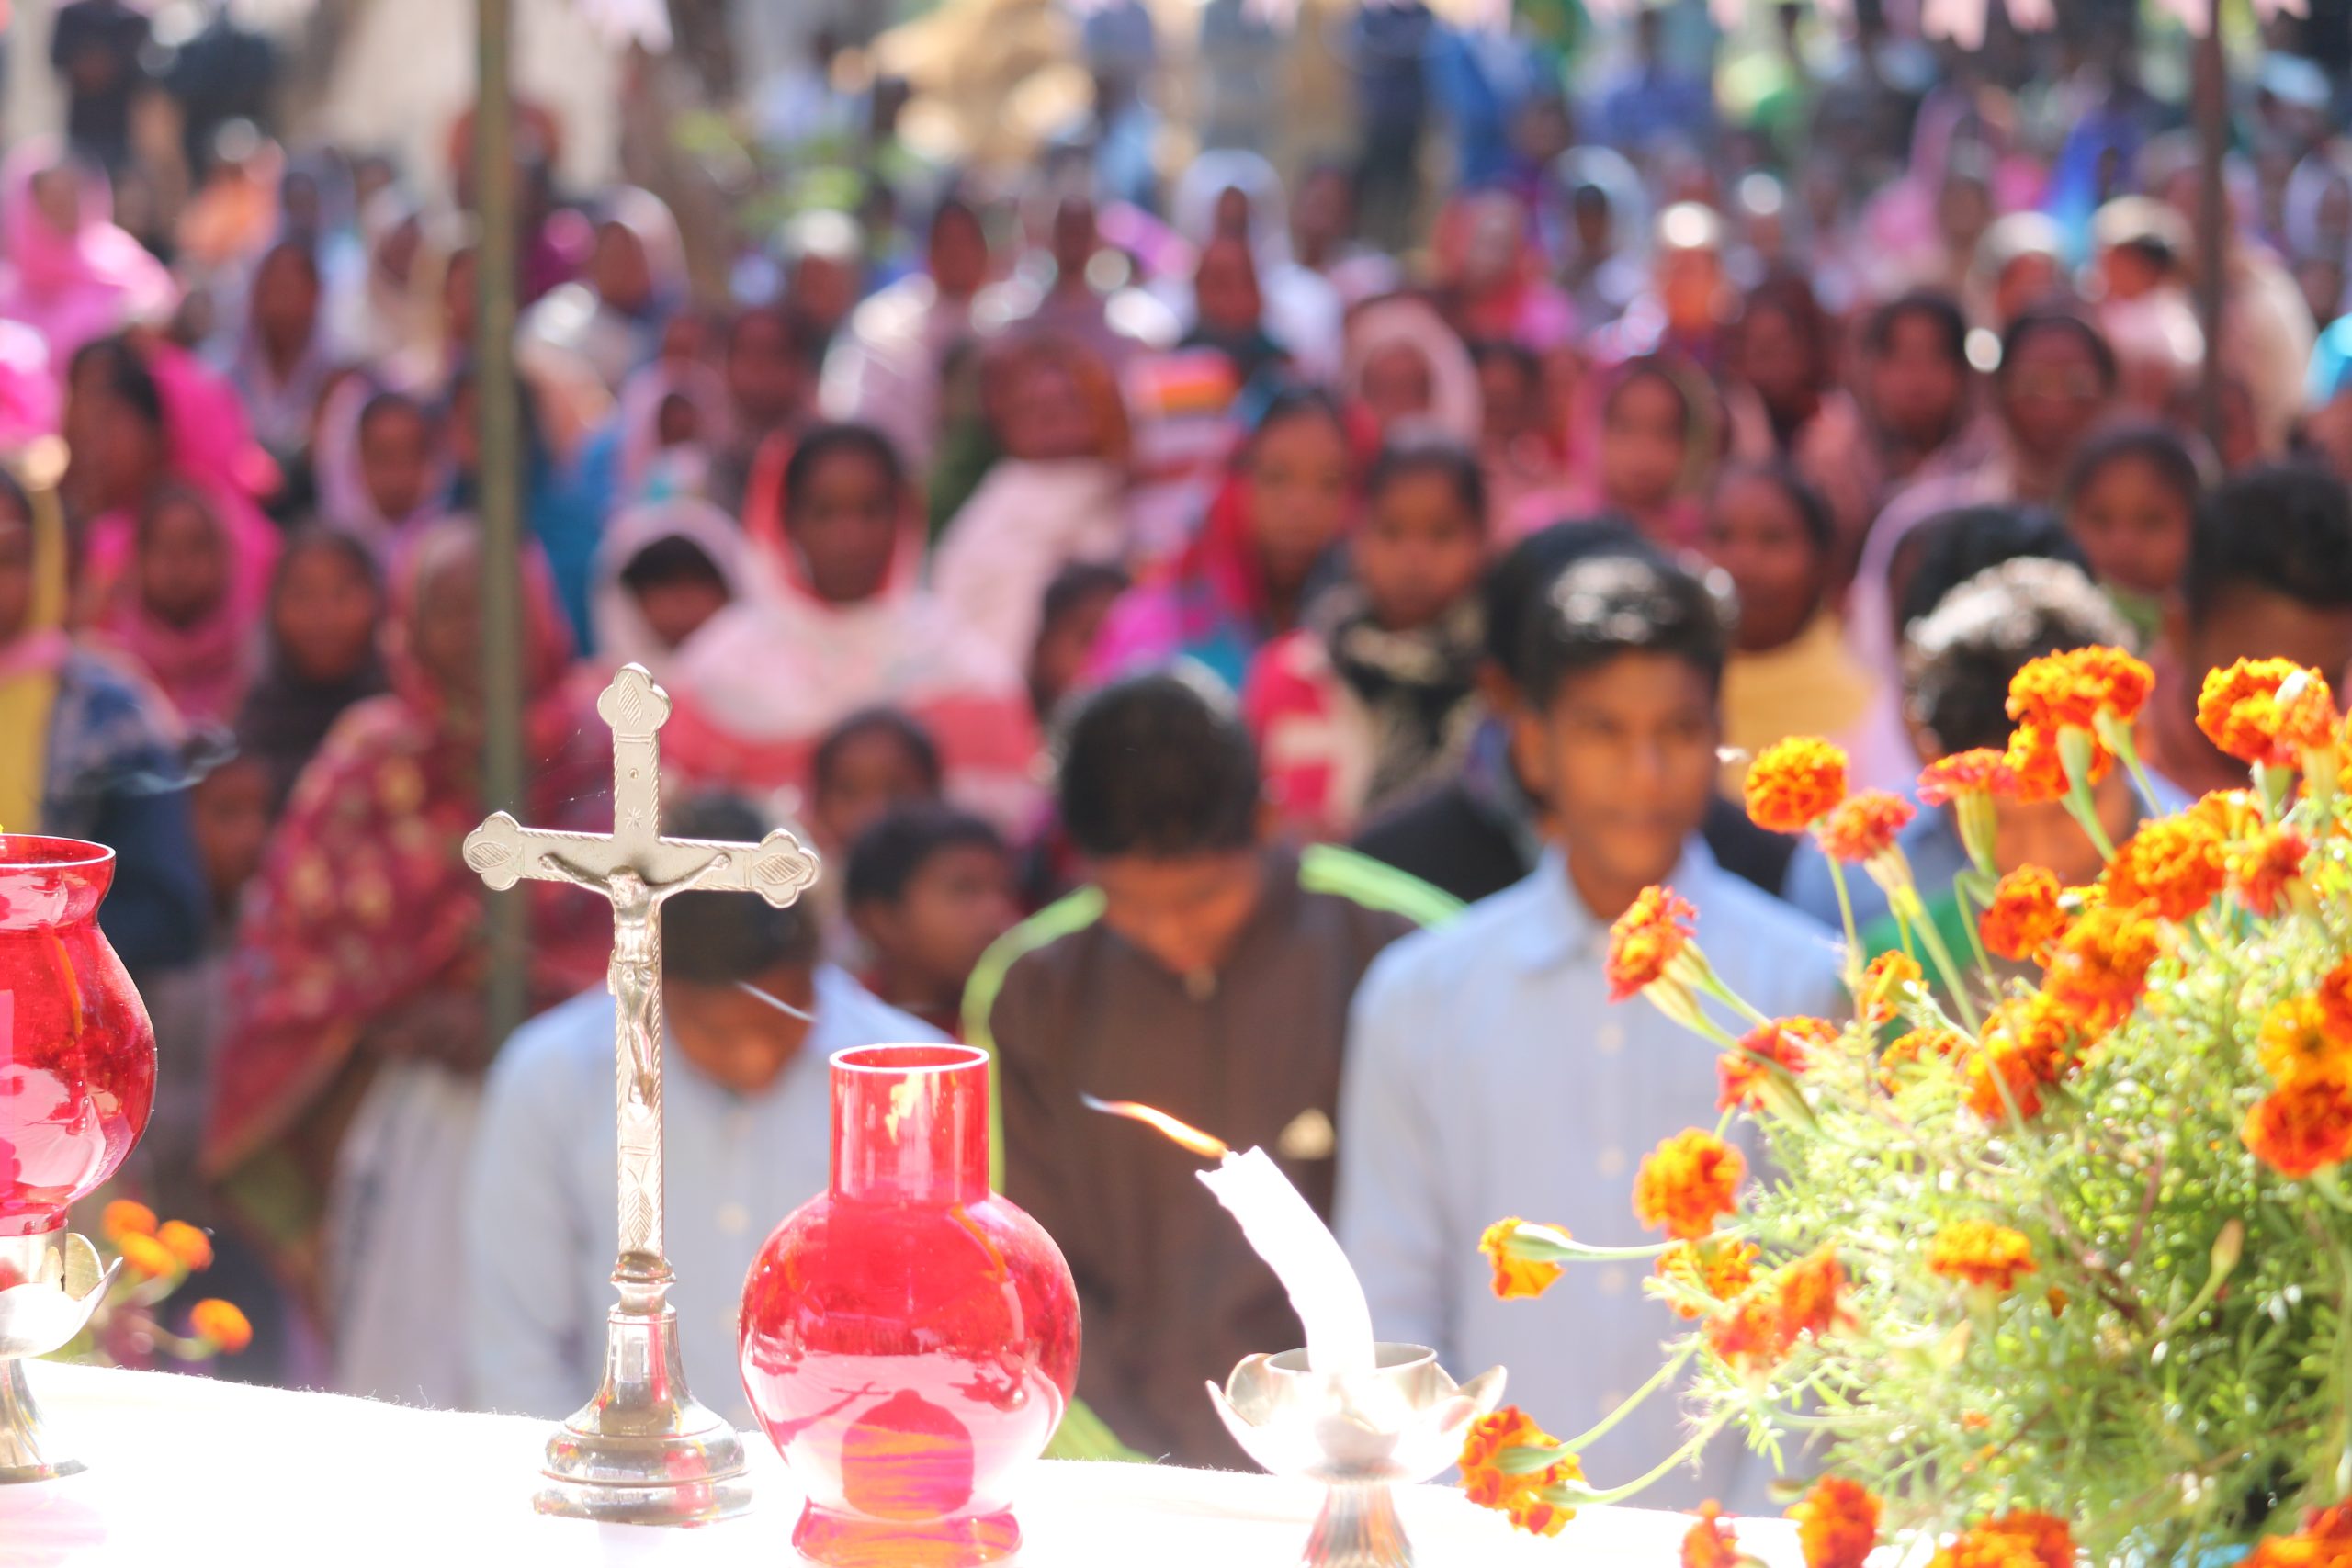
<point>643,1451</point>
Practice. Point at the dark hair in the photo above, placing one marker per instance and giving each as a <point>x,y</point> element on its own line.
<point>1430,453</point>
<point>2153,444</point>
<point>1649,368</point>
<point>950,207</point>
<point>890,854</point>
<point>833,440</point>
<point>1076,582</point>
<point>1959,660</point>
<point>1158,766</point>
<point>889,722</point>
<point>2048,319</point>
<point>297,246</point>
<point>1518,356</point>
<point>2286,528</point>
<point>312,538</point>
<point>178,492</point>
<point>1812,511</point>
<point>1606,606</point>
<point>673,559</point>
<point>390,400</point>
<point>1513,595</point>
<point>1939,310</point>
<point>1953,546</point>
<point>1292,403</point>
<point>1790,294</point>
<point>718,939</point>
<point>127,374</point>
<point>796,337</point>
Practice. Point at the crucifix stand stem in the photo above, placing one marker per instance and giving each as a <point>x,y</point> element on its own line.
<point>642,1450</point>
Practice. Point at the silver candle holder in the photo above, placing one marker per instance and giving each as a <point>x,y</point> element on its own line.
<point>1400,1424</point>
<point>60,1282</point>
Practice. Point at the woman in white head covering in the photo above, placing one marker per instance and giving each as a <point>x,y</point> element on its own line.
<point>662,570</point>
<point>1403,362</point>
<point>1303,311</point>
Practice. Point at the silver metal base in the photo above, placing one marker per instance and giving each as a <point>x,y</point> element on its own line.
<point>643,1452</point>
<point>1359,1529</point>
<point>22,1457</point>
<point>51,1284</point>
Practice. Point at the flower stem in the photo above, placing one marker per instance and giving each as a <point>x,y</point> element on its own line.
<point>1584,1497</point>
<point>1659,1380</point>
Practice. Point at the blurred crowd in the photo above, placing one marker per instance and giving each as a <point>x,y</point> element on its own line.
<point>1156,594</point>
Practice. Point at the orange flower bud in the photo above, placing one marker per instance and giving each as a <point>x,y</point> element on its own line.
<point>1836,1524</point>
<point>1687,1182</point>
<point>145,1255</point>
<point>122,1217</point>
<point>1646,939</point>
<point>1515,1277</point>
<point>1863,827</point>
<point>1795,784</point>
<point>2023,916</point>
<point>220,1324</point>
<point>190,1245</point>
<point>1978,1253</point>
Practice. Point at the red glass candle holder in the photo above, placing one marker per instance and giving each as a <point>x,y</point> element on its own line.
<point>908,1338</point>
<point>77,1054</point>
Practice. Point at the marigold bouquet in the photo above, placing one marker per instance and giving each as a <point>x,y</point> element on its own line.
<point>2032,1263</point>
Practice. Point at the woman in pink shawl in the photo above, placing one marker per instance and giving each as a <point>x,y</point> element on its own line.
<point>70,274</point>
<point>183,611</point>
<point>843,625</point>
<point>1645,447</point>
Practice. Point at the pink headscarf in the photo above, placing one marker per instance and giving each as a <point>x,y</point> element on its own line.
<point>71,289</point>
<point>204,668</point>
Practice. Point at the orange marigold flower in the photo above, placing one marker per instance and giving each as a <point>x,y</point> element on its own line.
<point>2267,712</point>
<point>185,1242</point>
<point>2174,864</point>
<point>2070,690</point>
<point>1812,1291</point>
<point>1788,1043</point>
<point>122,1217</point>
<point>1919,1046</point>
<point>1976,1252</point>
<point>1687,1182</point>
<point>2326,1542</point>
<point>2261,868</point>
<point>1886,981</point>
<point>2037,771</point>
<point>2302,1128</point>
<point>2027,1045</point>
<point>2335,1000</point>
<point>2023,916</point>
<point>2229,812</point>
<point>2102,963</point>
<point>1710,1543</point>
<point>220,1323</point>
<point>145,1255</point>
<point>1836,1524</point>
<point>2050,1536</point>
<point>1719,1269</point>
<point>1795,784</point>
<point>1508,1432</point>
<point>1983,771</point>
<point>1983,1548</point>
<point>2298,1045</point>
<point>1750,1333</point>
<point>1647,938</point>
<point>1515,1277</point>
<point>1864,826</point>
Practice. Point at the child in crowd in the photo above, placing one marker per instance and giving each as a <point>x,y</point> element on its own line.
<point>664,570</point>
<point>181,611</point>
<point>848,626</point>
<point>1488,1072</point>
<point>1076,603</point>
<point>2130,503</point>
<point>1375,700</point>
<point>868,765</point>
<point>1204,972</point>
<point>1655,437</point>
<point>402,473</point>
<point>1790,672</point>
<point>326,611</point>
<point>930,890</point>
<point>2269,577</point>
<point>745,1098</point>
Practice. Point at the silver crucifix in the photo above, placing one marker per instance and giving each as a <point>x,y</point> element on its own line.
<point>642,1451</point>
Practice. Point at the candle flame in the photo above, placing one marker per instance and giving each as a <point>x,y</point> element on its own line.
<point>1178,1133</point>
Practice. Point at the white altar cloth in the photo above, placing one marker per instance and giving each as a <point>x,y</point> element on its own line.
<point>187,1470</point>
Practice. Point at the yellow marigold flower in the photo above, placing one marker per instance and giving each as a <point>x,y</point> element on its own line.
<point>1710,1543</point>
<point>2174,864</point>
<point>1836,1524</point>
<point>2261,868</point>
<point>1863,827</point>
<point>2102,963</point>
<point>1687,1182</point>
<point>2037,771</point>
<point>185,1242</point>
<point>1795,784</point>
<point>122,1217</point>
<point>1789,1041</point>
<point>1720,1269</point>
<point>2335,1000</point>
<point>2302,1128</point>
<point>1484,1481</point>
<point>1887,982</point>
<point>2297,1044</point>
<point>1918,1047</point>
<point>2070,690</point>
<point>1975,1252</point>
<point>222,1323</point>
<point>2023,916</point>
<point>1515,1277</point>
<point>145,1255</point>
<point>1646,939</point>
<point>1981,771</point>
<point>2267,712</point>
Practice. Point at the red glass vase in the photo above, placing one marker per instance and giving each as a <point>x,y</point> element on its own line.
<point>77,1055</point>
<point>908,1338</point>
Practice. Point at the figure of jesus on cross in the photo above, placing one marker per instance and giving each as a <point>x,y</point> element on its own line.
<point>642,1450</point>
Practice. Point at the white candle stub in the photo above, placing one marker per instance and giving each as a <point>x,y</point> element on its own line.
<point>1304,1255</point>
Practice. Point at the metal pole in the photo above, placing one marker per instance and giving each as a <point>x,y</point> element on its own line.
<point>2211,97</point>
<point>501,491</point>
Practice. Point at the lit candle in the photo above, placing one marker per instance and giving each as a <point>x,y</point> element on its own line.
<point>1283,1230</point>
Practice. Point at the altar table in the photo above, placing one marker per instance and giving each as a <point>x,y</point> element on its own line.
<point>187,1469</point>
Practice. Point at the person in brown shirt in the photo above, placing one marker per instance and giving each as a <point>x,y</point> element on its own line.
<point>1204,972</point>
